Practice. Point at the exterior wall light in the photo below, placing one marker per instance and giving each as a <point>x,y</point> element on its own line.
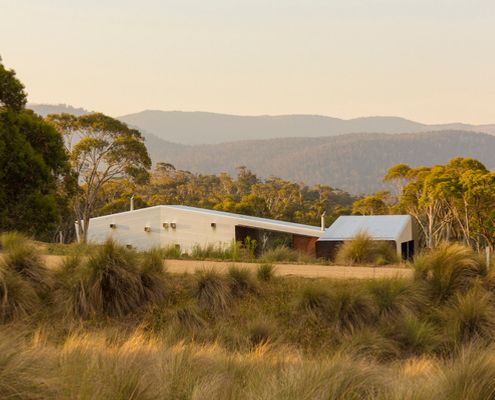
<point>213,225</point>
<point>113,226</point>
<point>165,225</point>
<point>147,229</point>
<point>128,245</point>
<point>173,225</point>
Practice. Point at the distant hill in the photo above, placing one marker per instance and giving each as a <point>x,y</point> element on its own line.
<point>45,109</point>
<point>305,148</point>
<point>210,128</point>
<point>353,162</point>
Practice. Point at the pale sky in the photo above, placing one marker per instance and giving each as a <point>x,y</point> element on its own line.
<point>427,60</point>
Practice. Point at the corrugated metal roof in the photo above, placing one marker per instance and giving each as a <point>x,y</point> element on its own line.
<point>379,227</point>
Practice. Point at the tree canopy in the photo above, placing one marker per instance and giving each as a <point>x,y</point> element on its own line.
<point>33,163</point>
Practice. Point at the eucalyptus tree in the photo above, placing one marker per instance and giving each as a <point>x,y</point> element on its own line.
<point>102,150</point>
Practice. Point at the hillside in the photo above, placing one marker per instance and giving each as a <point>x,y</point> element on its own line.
<point>210,128</point>
<point>353,162</point>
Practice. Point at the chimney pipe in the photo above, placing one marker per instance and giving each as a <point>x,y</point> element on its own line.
<point>323,220</point>
<point>132,203</point>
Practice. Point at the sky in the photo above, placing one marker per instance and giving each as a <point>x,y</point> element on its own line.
<point>431,61</point>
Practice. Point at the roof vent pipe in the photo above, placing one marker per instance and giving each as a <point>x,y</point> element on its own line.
<point>323,220</point>
<point>132,203</point>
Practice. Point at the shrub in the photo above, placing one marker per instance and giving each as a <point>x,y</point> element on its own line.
<point>370,343</point>
<point>448,269</point>
<point>363,250</point>
<point>241,281</point>
<point>172,251</point>
<point>280,253</point>
<point>469,316</point>
<point>212,291</point>
<point>265,272</point>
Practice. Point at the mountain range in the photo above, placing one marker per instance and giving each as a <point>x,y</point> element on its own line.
<point>352,155</point>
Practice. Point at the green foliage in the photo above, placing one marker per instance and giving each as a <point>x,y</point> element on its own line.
<point>364,250</point>
<point>153,276</point>
<point>265,272</point>
<point>12,94</point>
<point>414,335</point>
<point>448,269</point>
<point>32,160</point>
<point>102,151</point>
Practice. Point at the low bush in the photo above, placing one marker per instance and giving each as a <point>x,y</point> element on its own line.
<point>364,250</point>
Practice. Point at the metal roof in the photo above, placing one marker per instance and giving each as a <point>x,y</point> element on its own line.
<point>257,222</point>
<point>240,219</point>
<point>378,227</point>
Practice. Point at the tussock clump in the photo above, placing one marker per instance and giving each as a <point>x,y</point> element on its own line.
<point>352,308</point>
<point>18,298</point>
<point>415,336</point>
<point>396,296</point>
<point>316,301</point>
<point>189,318</point>
<point>241,281</point>
<point>469,316</point>
<point>113,283</point>
<point>370,344</point>
<point>363,250</point>
<point>469,376</point>
<point>24,258</point>
<point>153,276</point>
<point>212,292</point>
<point>265,272</point>
<point>260,332</point>
<point>448,269</point>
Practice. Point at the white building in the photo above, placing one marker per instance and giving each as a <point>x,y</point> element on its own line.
<point>186,227</point>
<point>397,229</point>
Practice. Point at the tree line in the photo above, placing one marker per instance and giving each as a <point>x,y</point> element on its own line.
<point>451,202</point>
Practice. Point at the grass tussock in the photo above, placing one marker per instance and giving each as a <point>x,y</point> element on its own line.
<point>212,292</point>
<point>266,272</point>
<point>241,281</point>
<point>363,250</point>
<point>450,268</point>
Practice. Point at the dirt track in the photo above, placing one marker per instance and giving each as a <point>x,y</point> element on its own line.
<point>306,270</point>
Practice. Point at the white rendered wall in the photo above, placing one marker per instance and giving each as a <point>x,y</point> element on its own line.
<point>191,229</point>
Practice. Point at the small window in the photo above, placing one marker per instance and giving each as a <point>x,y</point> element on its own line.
<point>128,245</point>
